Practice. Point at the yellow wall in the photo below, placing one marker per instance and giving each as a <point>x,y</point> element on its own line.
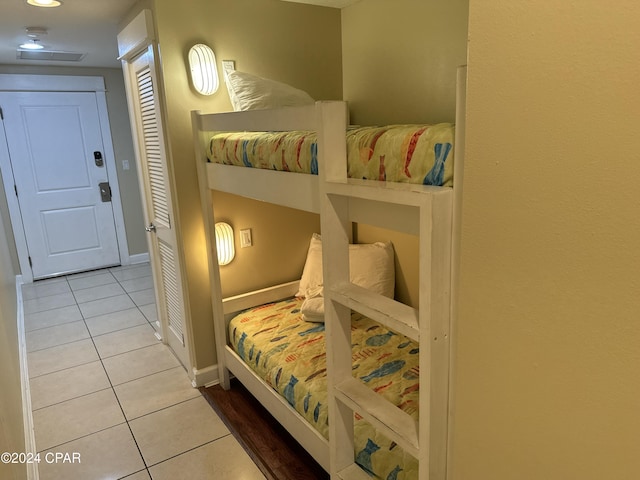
<point>548,351</point>
<point>273,259</point>
<point>405,53</point>
<point>291,43</point>
<point>399,64</point>
<point>11,420</point>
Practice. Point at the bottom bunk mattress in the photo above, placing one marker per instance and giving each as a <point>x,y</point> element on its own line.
<point>289,354</point>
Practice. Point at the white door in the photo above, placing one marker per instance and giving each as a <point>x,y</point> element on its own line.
<point>56,150</point>
<point>165,260</point>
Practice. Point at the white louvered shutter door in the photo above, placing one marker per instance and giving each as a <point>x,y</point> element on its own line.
<point>155,168</point>
<point>158,205</point>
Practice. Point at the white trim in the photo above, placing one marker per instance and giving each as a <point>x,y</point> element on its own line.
<point>137,258</point>
<point>10,82</point>
<point>456,235</point>
<point>205,377</point>
<point>110,163</point>
<point>14,209</point>
<point>27,414</point>
<point>60,83</point>
<point>136,36</point>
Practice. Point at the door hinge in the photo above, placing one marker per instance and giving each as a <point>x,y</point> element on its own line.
<point>30,262</point>
<point>1,114</point>
<point>15,187</point>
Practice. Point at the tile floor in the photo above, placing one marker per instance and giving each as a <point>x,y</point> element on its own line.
<point>104,387</point>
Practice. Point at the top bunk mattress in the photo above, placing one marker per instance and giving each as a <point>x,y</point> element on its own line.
<point>420,154</point>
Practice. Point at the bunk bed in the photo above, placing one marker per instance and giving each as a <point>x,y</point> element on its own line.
<point>360,324</point>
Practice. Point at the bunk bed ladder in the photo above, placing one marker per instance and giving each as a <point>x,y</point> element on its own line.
<point>427,212</point>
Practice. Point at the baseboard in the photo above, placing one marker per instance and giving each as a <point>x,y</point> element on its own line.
<point>135,259</point>
<point>205,377</point>
<point>27,414</point>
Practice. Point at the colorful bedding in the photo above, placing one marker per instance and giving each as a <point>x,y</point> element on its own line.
<point>289,354</point>
<point>397,153</point>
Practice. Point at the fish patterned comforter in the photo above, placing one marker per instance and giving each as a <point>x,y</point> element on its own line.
<point>289,354</point>
<point>397,153</point>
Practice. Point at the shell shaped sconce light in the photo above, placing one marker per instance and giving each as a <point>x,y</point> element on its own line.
<point>204,72</point>
<point>224,243</point>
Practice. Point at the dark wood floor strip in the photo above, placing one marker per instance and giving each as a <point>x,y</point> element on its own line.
<point>271,447</point>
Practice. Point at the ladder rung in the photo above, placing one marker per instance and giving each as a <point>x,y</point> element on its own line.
<point>353,472</point>
<point>383,415</point>
<point>395,315</point>
<point>391,192</point>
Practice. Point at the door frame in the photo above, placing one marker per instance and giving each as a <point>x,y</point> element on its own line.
<point>60,83</point>
<point>135,39</point>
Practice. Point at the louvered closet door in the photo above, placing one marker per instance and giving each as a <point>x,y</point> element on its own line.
<point>158,210</point>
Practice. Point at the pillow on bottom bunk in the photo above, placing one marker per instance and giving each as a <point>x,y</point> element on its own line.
<point>371,266</point>
<point>312,308</point>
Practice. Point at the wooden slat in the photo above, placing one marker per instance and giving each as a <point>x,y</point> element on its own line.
<point>353,472</point>
<point>259,297</point>
<point>395,315</point>
<point>384,416</point>
<point>281,119</point>
<point>293,190</point>
<point>390,192</point>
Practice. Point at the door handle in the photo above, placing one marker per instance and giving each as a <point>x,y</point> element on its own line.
<point>105,191</point>
<point>150,228</point>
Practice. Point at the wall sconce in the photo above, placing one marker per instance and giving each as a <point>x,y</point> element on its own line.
<point>204,72</point>
<point>224,243</point>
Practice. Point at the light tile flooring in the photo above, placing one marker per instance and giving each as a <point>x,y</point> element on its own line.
<point>103,386</point>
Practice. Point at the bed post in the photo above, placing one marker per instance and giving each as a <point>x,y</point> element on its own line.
<point>220,332</point>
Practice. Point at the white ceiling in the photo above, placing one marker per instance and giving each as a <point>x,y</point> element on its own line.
<point>82,26</point>
<point>86,26</point>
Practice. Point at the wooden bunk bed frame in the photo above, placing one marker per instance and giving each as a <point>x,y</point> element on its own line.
<point>427,211</point>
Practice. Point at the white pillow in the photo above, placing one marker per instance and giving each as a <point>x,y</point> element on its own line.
<point>249,92</point>
<point>370,266</point>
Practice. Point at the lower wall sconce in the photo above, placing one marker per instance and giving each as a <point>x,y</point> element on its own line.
<point>224,243</point>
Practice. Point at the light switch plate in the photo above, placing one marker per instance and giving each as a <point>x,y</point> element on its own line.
<point>245,238</point>
<point>228,65</point>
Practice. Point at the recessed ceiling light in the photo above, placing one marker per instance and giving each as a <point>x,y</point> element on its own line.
<point>32,45</point>
<point>44,3</point>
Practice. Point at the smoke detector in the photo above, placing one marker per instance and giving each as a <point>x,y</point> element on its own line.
<point>34,50</point>
<point>36,32</point>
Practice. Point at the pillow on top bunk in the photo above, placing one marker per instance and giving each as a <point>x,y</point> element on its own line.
<point>371,266</point>
<point>249,92</point>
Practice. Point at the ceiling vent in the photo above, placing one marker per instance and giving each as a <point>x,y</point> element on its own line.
<point>50,55</point>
